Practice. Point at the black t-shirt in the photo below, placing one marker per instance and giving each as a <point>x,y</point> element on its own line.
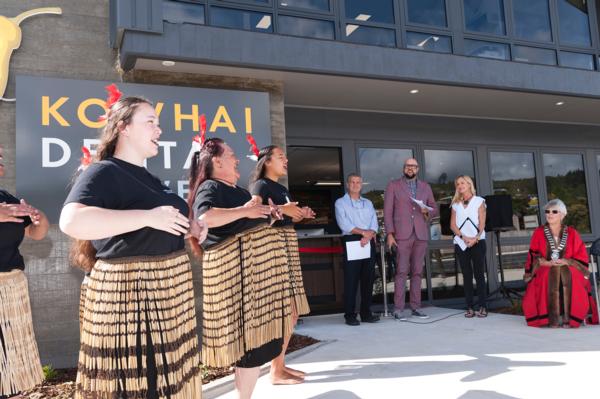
<point>116,184</point>
<point>216,194</point>
<point>11,236</point>
<point>280,195</point>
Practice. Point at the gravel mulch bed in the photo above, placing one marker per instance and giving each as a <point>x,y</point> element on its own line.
<point>62,384</point>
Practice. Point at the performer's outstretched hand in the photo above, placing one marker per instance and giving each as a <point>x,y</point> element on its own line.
<point>308,213</point>
<point>12,213</point>
<point>198,230</point>
<point>276,213</point>
<point>169,219</point>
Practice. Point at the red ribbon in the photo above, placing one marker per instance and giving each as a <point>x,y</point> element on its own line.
<point>320,250</point>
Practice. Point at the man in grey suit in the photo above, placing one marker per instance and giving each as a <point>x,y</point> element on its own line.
<point>407,228</point>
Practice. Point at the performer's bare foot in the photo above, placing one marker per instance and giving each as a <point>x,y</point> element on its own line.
<point>295,372</point>
<point>285,378</point>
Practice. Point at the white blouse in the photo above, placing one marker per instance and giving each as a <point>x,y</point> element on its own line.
<point>467,218</point>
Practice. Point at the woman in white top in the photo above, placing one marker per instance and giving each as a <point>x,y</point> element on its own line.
<point>468,224</point>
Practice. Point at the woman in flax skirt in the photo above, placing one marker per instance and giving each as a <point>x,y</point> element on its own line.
<point>138,336</point>
<point>20,367</point>
<point>246,287</point>
<point>271,166</point>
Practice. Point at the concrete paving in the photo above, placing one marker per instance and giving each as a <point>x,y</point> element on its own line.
<point>447,356</point>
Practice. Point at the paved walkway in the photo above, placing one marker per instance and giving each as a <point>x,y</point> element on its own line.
<point>494,358</point>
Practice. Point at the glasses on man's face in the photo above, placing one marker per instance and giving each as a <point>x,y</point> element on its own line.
<point>552,211</point>
<point>411,166</point>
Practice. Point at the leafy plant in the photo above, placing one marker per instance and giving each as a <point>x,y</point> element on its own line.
<point>49,372</point>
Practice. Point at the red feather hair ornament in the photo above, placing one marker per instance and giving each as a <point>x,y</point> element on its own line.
<point>114,95</point>
<point>86,159</point>
<point>202,121</point>
<point>253,148</point>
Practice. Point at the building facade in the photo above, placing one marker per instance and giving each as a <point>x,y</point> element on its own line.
<point>506,91</point>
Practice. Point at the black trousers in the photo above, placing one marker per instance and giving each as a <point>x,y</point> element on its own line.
<point>472,262</point>
<point>355,271</point>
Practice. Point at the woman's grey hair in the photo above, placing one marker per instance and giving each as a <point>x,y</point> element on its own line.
<point>557,203</point>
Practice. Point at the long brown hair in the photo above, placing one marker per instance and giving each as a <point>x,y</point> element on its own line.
<point>82,253</point>
<point>200,171</point>
<point>260,171</point>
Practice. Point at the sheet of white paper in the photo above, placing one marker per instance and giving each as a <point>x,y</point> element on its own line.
<point>355,252</point>
<point>468,229</point>
<point>421,204</point>
<point>461,244</point>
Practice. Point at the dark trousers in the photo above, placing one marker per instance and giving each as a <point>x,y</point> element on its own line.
<point>356,271</point>
<point>472,262</point>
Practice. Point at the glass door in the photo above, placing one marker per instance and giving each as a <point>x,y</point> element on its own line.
<point>440,168</point>
<point>377,167</point>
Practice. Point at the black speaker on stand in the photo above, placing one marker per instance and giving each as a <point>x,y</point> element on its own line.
<point>499,219</point>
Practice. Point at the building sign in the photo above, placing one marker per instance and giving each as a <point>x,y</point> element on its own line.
<point>56,117</point>
<point>10,40</point>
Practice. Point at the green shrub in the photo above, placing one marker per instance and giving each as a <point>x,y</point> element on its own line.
<point>49,372</point>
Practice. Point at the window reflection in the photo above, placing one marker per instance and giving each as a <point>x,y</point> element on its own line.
<point>306,27</point>
<point>427,12</point>
<point>513,259</point>
<point>577,60</point>
<point>565,179</point>
<point>377,167</point>
<point>241,19</point>
<point>574,22</point>
<point>372,11</point>
<point>513,173</point>
<point>446,276</point>
<point>322,5</point>
<point>370,35</point>
<point>441,168</point>
<point>478,48</point>
<point>315,180</point>
<point>178,12</point>
<point>485,16</point>
<point>532,20</point>
<point>534,55</point>
<point>429,42</point>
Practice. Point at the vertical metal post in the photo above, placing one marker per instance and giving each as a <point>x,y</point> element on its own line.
<point>384,277</point>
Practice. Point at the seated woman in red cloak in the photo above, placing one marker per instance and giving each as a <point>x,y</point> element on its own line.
<point>556,270</point>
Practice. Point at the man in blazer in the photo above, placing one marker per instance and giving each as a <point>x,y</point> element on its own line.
<point>407,228</point>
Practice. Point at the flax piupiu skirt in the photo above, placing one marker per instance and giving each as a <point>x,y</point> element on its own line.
<point>138,335</point>
<point>290,239</point>
<point>247,300</point>
<point>20,367</point>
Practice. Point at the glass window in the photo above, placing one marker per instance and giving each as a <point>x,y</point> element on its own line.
<point>577,60</point>
<point>241,19</point>
<point>369,35</point>
<point>574,22</point>
<point>513,173</point>
<point>565,179</point>
<point>427,12</point>
<point>429,42</point>
<point>315,180</point>
<point>485,16</point>
<point>477,48</point>
<point>321,5</point>
<point>306,27</point>
<point>179,12</point>
<point>532,20</point>
<point>372,11</point>
<point>534,55</point>
<point>446,276</point>
<point>513,259</point>
<point>441,168</point>
<point>377,167</point>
